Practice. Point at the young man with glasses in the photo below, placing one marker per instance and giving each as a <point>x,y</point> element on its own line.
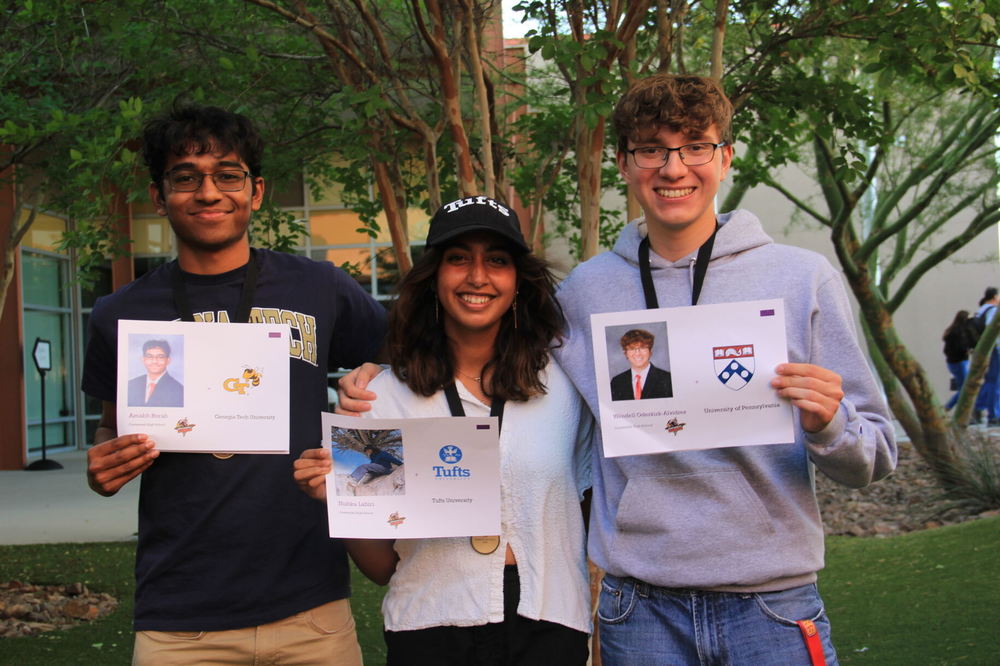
<point>233,564</point>
<point>711,555</point>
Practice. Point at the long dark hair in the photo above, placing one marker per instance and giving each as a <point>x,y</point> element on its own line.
<point>418,349</point>
<point>960,322</point>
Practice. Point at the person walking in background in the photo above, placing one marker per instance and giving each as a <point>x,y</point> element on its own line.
<point>988,400</point>
<point>959,339</point>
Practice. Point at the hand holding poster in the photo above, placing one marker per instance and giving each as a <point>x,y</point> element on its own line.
<point>697,377</point>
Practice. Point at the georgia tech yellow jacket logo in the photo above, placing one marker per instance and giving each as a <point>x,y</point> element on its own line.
<point>249,377</point>
<point>233,384</point>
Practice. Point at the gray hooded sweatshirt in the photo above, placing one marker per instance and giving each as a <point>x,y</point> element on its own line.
<point>738,518</point>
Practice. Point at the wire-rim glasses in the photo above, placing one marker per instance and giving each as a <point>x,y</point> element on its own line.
<point>227,180</point>
<point>691,154</point>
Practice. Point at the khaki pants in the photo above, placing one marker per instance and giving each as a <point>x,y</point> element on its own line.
<point>323,635</point>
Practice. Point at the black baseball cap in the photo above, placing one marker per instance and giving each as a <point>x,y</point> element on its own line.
<point>475,214</point>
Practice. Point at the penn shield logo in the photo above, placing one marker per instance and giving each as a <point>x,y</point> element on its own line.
<point>450,454</point>
<point>734,365</point>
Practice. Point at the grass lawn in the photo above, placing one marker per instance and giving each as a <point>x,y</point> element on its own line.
<point>924,599</point>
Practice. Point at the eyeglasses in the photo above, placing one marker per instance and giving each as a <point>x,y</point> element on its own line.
<point>190,181</point>
<point>692,154</point>
<point>636,350</point>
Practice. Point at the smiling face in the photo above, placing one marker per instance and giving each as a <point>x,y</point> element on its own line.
<point>211,225</point>
<point>476,283</point>
<point>156,361</point>
<point>678,200</point>
<point>638,356</point>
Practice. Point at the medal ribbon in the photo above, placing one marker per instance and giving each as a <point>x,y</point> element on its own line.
<point>247,292</point>
<point>483,545</point>
<point>700,269</point>
<point>455,404</point>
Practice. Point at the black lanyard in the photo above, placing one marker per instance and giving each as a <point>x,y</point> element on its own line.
<point>455,404</point>
<point>183,305</point>
<point>700,268</point>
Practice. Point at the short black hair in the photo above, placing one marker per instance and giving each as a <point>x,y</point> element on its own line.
<point>198,130</point>
<point>156,344</point>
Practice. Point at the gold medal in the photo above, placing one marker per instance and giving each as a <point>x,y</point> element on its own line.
<point>223,456</point>
<point>485,544</point>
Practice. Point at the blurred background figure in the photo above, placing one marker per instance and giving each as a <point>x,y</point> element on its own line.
<point>959,339</point>
<point>988,400</point>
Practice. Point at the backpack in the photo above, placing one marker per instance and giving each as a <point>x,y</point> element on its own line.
<point>978,323</point>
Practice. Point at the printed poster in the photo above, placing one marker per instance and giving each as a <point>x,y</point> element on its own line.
<point>204,388</point>
<point>695,377</point>
<point>412,478</point>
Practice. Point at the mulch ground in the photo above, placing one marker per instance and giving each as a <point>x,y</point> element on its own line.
<point>27,609</point>
<point>907,500</point>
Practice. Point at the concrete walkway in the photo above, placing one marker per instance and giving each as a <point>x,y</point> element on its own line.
<point>56,506</point>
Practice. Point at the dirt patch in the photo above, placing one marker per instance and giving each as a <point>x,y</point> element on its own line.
<point>27,609</point>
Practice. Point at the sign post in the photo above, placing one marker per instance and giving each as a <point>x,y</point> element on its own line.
<point>43,363</point>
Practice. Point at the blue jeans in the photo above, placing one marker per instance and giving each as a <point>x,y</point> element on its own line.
<point>989,393</point>
<point>368,468</point>
<point>959,371</point>
<point>644,625</point>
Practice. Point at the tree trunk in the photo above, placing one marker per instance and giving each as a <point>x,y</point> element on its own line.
<point>395,214</point>
<point>15,234</point>
<point>934,445</point>
<point>590,157</point>
<point>451,100</point>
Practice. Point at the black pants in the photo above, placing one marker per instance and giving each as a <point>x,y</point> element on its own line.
<point>517,641</point>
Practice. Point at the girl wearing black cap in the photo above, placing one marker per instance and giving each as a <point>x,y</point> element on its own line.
<point>476,318</point>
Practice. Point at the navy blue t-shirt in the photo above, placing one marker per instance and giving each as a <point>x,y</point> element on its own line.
<point>225,544</point>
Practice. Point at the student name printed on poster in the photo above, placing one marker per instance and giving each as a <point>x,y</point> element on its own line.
<point>412,478</point>
<point>205,388</point>
<point>696,377</point>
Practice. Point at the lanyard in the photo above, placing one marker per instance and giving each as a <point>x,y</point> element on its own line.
<point>700,268</point>
<point>455,404</point>
<point>183,305</point>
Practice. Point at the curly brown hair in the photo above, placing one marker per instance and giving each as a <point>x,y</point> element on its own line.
<point>418,350</point>
<point>681,103</point>
<point>643,337</point>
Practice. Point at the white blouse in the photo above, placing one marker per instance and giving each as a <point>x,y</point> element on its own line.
<point>545,451</point>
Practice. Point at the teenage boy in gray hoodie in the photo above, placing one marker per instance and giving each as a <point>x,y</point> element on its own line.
<point>711,556</point>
